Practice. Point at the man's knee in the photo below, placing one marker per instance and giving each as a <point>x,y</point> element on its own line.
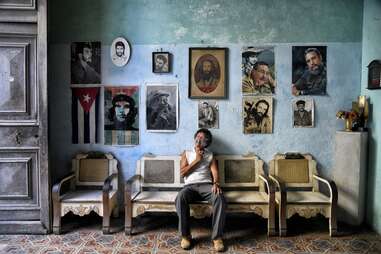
<point>219,200</point>
<point>183,196</point>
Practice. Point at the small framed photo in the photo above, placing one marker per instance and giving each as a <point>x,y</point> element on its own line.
<point>161,62</point>
<point>120,51</point>
<point>208,73</point>
<point>208,114</point>
<point>303,112</point>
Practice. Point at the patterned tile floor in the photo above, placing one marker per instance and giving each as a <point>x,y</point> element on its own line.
<point>158,234</point>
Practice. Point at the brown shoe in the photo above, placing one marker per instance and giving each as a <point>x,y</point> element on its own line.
<point>218,245</point>
<point>185,243</point>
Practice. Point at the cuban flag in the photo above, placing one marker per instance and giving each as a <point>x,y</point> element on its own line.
<point>84,114</point>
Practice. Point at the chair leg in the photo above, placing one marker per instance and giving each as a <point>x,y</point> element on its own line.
<point>106,224</point>
<point>56,218</point>
<point>128,220</point>
<point>271,221</point>
<point>282,221</point>
<point>333,225</point>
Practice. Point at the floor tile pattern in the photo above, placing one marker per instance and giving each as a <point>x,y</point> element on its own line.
<point>158,234</point>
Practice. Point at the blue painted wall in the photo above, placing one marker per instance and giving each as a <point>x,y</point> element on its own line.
<point>177,25</point>
<point>371,50</point>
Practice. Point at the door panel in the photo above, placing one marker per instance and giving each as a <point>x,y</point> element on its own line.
<point>24,174</point>
<point>18,97</point>
<point>18,4</point>
<point>19,179</point>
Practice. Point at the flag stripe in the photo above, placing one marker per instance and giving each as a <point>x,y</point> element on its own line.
<point>86,127</point>
<point>92,124</point>
<point>80,124</point>
<point>96,116</point>
<point>74,119</point>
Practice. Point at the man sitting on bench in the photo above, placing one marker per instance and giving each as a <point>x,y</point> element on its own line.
<point>200,172</point>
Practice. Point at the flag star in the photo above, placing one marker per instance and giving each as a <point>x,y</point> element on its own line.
<point>86,98</point>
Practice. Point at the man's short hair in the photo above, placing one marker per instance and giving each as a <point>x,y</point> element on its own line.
<point>208,136</point>
<point>123,97</point>
<point>309,50</point>
<point>81,45</point>
<point>161,57</point>
<point>119,43</point>
<point>300,102</point>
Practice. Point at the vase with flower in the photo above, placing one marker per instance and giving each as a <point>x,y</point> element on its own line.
<point>349,118</point>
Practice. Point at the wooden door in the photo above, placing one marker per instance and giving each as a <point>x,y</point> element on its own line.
<point>24,175</point>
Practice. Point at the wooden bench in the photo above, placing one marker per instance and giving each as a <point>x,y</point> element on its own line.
<point>157,181</point>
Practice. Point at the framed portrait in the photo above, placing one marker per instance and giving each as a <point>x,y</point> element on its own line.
<point>162,107</point>
<point>258,71</point>
<point>161,62</point>
<point>303,112</point>
<point>208,114</point>
<point>120,51</point>
<point>86,63</point>
<point>257,114</point>
<point>309,70</point>
<point>121,115</point>
<point>208,73</point>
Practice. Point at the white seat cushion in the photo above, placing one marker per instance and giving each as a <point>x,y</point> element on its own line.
<point>303,197</point>
<point>85,196</point>
<point>243,197</point>
<point>156,197</point>
<point>230,196</point>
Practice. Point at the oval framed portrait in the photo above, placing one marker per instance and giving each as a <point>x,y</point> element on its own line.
<point>120,51</point>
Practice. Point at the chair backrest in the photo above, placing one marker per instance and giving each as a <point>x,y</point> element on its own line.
<point>294,172</point>
<point>239,170</point>
<point>92,169</point>
<point>160,171</point>
<point>234,170</point>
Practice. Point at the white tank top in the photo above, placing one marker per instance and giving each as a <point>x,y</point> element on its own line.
<point>201,173</point>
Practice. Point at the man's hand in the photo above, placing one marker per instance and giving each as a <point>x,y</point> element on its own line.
<point>216,189</point>
<point>295,91</point>
<point>199,153</point>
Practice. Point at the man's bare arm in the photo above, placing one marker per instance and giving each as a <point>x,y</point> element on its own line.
<point>185,167</point>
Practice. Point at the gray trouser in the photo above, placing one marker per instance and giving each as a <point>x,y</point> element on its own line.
<point>200,192</point>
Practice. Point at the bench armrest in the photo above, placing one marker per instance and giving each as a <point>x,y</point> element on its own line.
<point>107,183</point>
<point>281,186</point>
<point>268,182</point>
<point>56,189</point>
<point>331,186</point>
<point>131,181</point>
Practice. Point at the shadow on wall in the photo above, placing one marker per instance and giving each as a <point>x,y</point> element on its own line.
<point>371,176</point>
<point>221,145</point>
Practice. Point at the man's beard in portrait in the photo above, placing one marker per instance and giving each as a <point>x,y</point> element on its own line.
<point>258,117</point>
<point>318,70</point>
<point>206,75</point>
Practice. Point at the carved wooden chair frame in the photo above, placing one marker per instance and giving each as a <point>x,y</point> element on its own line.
<point>307,210</point>
<point>104,207</point>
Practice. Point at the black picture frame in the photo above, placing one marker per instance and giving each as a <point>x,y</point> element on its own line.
<point>212,85</point>
<point>161,62</point>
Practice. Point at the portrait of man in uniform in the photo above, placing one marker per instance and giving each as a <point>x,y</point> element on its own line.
<point>303,115</point>
<point>257,114</point>
<point>309,71</point>
<point>258,73</point>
